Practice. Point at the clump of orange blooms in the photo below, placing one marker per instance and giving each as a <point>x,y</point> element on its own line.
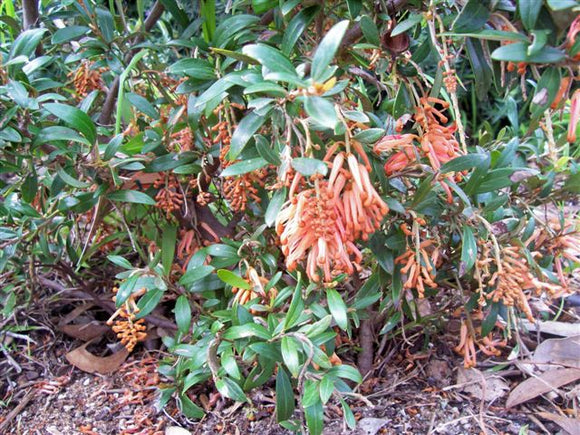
<point>468,334</point>
<point>438,143</point>
<point>87,78</point>
<point>239,189</point>
<point>419,261</point>
<point>169,197</point>
<point>559,239</point>
<point>128,328</point>
<point>182,140</point>
<point>321,223</point>
<point>512,278</point>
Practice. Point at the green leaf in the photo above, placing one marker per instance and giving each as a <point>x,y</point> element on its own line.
<point>407,24</point>
<point>285,402</point>
<point>468,250</point>
<point>490,35</point>
<point>148,302</point>
<point>310,395</point>
<point>529,11</point>
<point>296,27</point>
<point>480,66</point>
<point>274,206</point>
<point>71,181</point>
<point>308,167</point>
<point>326,389</point>
<point>247,127</point>
<point>346,372</point>
<point>175,10</point>
<point>106,25</point>
<point>370,31</point>
<point>25,44</point>
<point>228,388</point>
<point>182,314</point>
<point>168,241</point>
<point>195,274</point>
<point>247,330</point>
<point>347,414</point>
<point>546,91</point>
<point>189,409</point>
<point>29,188</point>
<point>69,33</point>
<point>289,349</point>
<point>244,167</point>
<point>327,49</point>
<point>143,105</point>
<point>207,12</point>
<point>269,57</point>
<point>76,118</point>
<point>322,111</point>
<point>370,135</point>
<point>296,306</point>
<point>559,5</point>
<point>261,6</point>
<point>465,162</point>
<point>120,261</point>
<point>539,40</point>
<point>113,147</point>
<point>337,308</point>
<point>232,279</point>
<point>518,52</point>
<point>265,150</point>
<point>472,17</point>
<point>488,323</point>
<point>59,133</point>
<point>196,68</point>
<point>132,196</point>
<point>315,418</point>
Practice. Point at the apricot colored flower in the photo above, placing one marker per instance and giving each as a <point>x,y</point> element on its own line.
<point>574,116</point>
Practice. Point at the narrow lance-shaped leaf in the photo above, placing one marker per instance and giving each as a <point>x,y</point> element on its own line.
<point>327,49</point>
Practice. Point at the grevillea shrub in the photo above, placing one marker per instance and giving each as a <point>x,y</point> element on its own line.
<point>276,184</point>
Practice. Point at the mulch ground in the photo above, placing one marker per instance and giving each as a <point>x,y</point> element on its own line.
<point>413,390</point>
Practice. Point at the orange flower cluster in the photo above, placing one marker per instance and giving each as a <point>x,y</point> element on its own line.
<point>438,142</point>
<point>239,189</point>
<point>256,290</point>
<point>169,197</point>
<point>128,330</point>
<point>87,79</point>
<point>512,279</point>
<point>182,140</point>
<point>466,346</point>
<point>559,240</point>
<point>419,267</point>
<point>323,222</point>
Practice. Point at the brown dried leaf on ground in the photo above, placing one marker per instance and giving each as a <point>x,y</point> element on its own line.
<point>488,386</point>
<point>537,385</point>
<point>569,425</point>
<point>87,362</point>
<point>562,329</point>
<point>553,354</point>
<point>85,332</point>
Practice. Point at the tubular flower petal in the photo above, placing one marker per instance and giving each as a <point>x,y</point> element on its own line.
<point>574,116</point>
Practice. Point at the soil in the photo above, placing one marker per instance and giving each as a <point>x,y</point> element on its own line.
<point>413,390</point>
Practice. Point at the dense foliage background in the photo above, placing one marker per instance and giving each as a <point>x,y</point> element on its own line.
<point>273,187</point>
